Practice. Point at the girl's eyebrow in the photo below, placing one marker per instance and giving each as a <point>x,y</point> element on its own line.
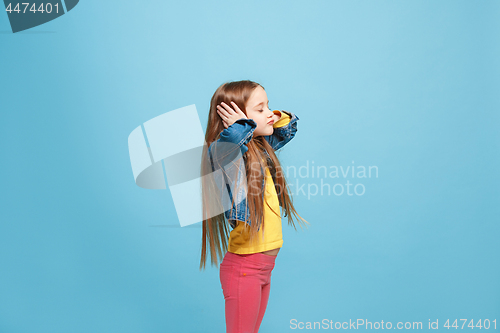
<point>261,104</point>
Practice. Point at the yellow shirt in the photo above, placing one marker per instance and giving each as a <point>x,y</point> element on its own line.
<point>270,235</point>
<point>273,238</point>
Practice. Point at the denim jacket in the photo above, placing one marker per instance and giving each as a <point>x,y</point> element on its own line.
<point>230,155</point>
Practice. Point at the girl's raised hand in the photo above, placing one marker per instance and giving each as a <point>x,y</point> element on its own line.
<point>276,116</point>
<point>228,115</point>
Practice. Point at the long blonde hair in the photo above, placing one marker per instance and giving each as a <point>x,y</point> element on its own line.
<point>216,228</point>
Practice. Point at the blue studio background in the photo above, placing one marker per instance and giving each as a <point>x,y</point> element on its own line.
<point>411,87</point>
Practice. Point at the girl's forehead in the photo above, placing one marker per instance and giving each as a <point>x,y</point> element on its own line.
<point>258,96</point>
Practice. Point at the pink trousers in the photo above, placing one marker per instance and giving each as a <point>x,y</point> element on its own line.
<point>246,282</point>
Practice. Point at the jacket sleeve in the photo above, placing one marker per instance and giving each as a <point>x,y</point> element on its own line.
<point>232,142</point>
<point>284,130</point>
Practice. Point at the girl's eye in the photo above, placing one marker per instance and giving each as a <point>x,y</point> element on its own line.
<point>267,107</point>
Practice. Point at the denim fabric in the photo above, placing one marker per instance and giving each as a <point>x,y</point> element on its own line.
<point>228,153</point>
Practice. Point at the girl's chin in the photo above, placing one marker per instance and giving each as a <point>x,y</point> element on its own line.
<point>266,132</point>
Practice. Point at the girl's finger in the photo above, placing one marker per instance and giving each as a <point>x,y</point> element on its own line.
<point>222,112</point>
<point>238,110</point>
<point>219,113</point>
<point>236,107</point>
<point>227,107</point>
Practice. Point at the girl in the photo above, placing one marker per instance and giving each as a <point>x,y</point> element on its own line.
<point>243,186</point>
